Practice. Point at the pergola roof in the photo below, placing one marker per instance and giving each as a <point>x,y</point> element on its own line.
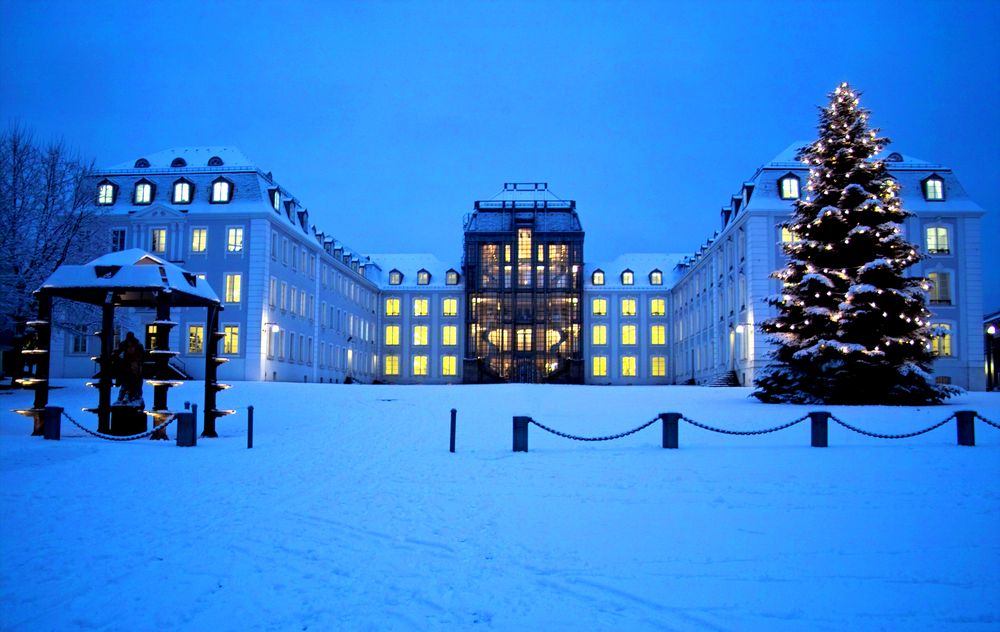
<point>134,276</point>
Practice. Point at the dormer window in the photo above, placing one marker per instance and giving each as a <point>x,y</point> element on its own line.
<point>451,278</point>
<point>788,187</point>
<point>276,199</point>
<point>182,192</point>
<point>933,189</point>
<point>178,163</point>
<point>656,277</point>
<point>143,192</point>
<point>628,278</point>
<point>395,277</point>
<point>106,193</point>
<point>894,157</point>
<point>142,163</point>
<point>215,161</point>
<point>597,278</point>
<point>423,277</point>
<point>222,191</point>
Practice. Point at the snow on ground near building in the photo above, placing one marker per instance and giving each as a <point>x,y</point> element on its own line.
<point>350,513</point>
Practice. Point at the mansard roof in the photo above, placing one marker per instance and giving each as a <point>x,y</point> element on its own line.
<point>194,157</point>
<point>410,264</point>
<point>640,264</point>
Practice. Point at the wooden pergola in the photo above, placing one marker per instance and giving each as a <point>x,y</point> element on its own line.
<point>129,278</point>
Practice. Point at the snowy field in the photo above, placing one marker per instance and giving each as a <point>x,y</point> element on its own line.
<point>351,514</point>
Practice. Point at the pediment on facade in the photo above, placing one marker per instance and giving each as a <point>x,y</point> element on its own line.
<point>158,212</point>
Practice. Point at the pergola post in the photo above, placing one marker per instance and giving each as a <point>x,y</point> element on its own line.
<point>40,381</point>
<point>106,382</point>
<point>161,357</point>
<point>211,343</point>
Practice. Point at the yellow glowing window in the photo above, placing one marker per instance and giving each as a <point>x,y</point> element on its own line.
<point>656,277</point>
<point>449,335</point>
<point>937,240</point>
<point>659,366</point>
<point>500,338</point>
<point>182,192</point>
<point>597,278</point>
<point>231,339</point>
<point>420,307</point>
<point>628,278</point>
<point>392,307</point>
<point>196,338</point>
<point>450,307</point>
<point>420,365</point>
<point>221,191</point>
<point>199,239</point>
<point>934,189</point>
<point>423,277</point>
<point>449,364</point>
<point>599,366</point>
<point>628,366</point>
<point>658,335</point>
<point>523,339</point>
<point>420,335</point>
<point>788,235</point>
<point>392,365</point>
<point>628,307</point>
<point>628,334</point>
<point>790,188</point>
<point>158,240</point>
<point>392,335</point>
<point>941,340</point>
<point>233,283</point>
<point>451,278</point>
<point>657,307</point>
<point>395,277</point>
<point>234,239</point>
<point>600,307</point>
<point>600,334</point>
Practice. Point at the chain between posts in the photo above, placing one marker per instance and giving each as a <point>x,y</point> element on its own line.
<point>745,432</point>
<point>100,435</point>
<point>887,436</point>
<point>607,438</point>
<point>985,420</point>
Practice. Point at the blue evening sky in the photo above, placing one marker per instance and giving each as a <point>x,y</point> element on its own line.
<point>389,119</point>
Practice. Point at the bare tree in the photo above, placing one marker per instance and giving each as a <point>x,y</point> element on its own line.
<point>46,219</point>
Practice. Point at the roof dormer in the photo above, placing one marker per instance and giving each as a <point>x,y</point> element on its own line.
<point>423,277</point>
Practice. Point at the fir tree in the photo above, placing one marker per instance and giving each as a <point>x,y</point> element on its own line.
<point>851,328</point>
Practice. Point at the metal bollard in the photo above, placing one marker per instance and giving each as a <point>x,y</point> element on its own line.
<point>966,427</point>
<point>187,430</point>
<point>521,434</point>
<point>670,423</point>
<point>52,423</point>
<point>249,427</point>
<point>451,445</point>
<point>820,426</point>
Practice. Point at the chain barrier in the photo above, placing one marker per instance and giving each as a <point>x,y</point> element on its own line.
<point>100,435</point>
<point>984,419</point>
<point>607,438</point>
<point>887,436</point>
<point>745,432</point>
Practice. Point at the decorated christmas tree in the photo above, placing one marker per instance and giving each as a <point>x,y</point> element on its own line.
<point>851,327</point>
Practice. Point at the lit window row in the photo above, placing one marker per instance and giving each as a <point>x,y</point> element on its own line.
<point>627,277</point>
<point>421,306</point>
<point>423,277</point>
<point>449,335</point>
<point>657,334</point>
<point>628,366</point>
<point>144,192</point>
<point>657,307</point>
<point>420,365</point>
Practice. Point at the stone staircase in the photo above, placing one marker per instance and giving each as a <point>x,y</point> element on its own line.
<point>726,378</point>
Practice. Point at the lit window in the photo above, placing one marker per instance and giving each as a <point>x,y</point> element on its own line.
<point>272,295</point>
<point>658,335</point>
<point>106,194</point>
<point>523,339</point>
<point>628,334</point>
<point>392,365</point>
<point>423,277</point>
<point>231,339</point>
<point>597,278</point>
<point>600,334</point>
<point>158,240</point>
<point>937,240</point>
<point>628,366</point>
<point>182,192</point>
<point>600,307</point>
<point>395,277</point>
<point>420,306</point>
<point>391,335</point>
<point>628,278</point>
<point>599,366</point>
<point>450,307</point>
<point>233,282</point>
<point>451,279</point>
<point>392,307</point>
<point>143,192</point>
<point>659,366</point>
<point>934,189</point>
<point>449,335</point>
<point>222,191</point>
<point>420,365</point>
<point>657,307</point>
<point>196,338</point>
<point>788,235</point>
<point>419,335</point>
<point>449,365</point>
<point>276,199</point>
<point>234,239</point>
<point>628,307</point>
<point>656,277</point>
<point>941,340</point>
<point>940,292</point>
<point>199,239</point>
<point>117,239</point>
<point>789,188</point>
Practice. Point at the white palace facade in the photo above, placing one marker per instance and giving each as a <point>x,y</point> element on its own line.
<point>520,303</point>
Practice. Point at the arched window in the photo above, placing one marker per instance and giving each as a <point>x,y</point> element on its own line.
<point>107,192</point>
<point>451,278</point>
<point>423,277</point>
<point>941,339</point>
<point>215,161</point>
<point>788,187</point>
<point>937,240</point>
<point>276,199</point>
<point>628,278</point>
<point>144,191</point>
<point>395,277</point>
<point>656,277</point>
<point>141,163</point>
<point>940,287</point>
<point>177,163</point>
<point>222,191</point>
<point>933,188</point>
<point>894,157</point>
<point>183,192</point>
<point>597,278</point>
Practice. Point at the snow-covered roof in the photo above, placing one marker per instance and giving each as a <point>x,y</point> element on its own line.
<point>135,270</point>
<point>641,264</point>
<point>195,157</point>
<point>410,264</point>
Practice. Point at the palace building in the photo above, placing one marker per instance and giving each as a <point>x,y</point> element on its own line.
<point>520,304</point>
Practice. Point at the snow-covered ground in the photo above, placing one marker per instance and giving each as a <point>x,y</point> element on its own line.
<point>350,514</point>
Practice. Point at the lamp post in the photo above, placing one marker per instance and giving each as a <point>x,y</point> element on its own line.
<point>992,351</point>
